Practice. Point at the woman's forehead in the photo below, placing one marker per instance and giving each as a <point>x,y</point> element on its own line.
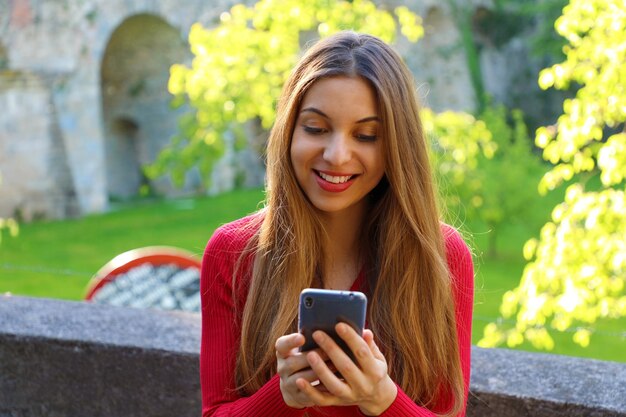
<point>341,94</point>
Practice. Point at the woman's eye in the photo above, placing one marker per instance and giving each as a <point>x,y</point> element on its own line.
<point>313,130</point>
<point>366,138</point>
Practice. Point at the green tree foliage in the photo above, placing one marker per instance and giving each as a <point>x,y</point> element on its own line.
<point>240,65</point>
<point>459,141</point>
<point>507,192</point>
<point>545,41</point>
<point>577,271</point>
<point>485,167</point>
<point>509,18</point>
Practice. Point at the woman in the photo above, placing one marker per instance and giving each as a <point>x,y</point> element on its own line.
<point>350,205</point>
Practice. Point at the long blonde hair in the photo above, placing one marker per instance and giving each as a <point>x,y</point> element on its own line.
<point>411,309</point>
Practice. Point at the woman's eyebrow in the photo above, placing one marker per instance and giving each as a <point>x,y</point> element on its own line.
<point>369,119</point>
<point>316,111</point>
<point>324,115</point>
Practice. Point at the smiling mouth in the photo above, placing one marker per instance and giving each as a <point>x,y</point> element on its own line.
<point>335,179</point>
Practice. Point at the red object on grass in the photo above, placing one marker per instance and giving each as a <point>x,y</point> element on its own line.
<point>151,277</point>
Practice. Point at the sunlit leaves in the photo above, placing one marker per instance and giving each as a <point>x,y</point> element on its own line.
<point>596,31</point>
<point>577,272</point>
<point>10,225</point>
<point>458,138</point>
<point>410,24</point>
<point>612,159</point>
<point>240,66</point>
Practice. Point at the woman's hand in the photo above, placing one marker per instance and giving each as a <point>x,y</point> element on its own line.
<point>293,365</point>
<point>365,383</point>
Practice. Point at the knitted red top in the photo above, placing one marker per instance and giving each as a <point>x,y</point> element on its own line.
<point>221,331</point>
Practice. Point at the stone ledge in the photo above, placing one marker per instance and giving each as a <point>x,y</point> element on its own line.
<point>99,324</point>
<point>73,359</point>
<point>515,383</point>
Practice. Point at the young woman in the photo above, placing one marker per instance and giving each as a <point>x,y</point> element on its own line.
<point>350,205</point>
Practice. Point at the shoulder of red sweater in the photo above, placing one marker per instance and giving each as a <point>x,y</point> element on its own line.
<point>454,242</point>
<point>450,233</point>
<point>236,234</point>
<point>247,224</point>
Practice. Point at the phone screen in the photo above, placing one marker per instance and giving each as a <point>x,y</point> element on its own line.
<point>323,309</point>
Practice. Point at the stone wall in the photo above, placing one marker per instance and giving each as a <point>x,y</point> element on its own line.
<point>29,147</point>
<point>65,43</point>
<point>84,101</point>
<point>72,359</point>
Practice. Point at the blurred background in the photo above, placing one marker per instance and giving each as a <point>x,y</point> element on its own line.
<point>141,123</point>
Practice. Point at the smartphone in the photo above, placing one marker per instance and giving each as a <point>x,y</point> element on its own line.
<point>323,309</point>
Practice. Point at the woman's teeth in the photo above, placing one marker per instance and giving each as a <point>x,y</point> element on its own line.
<point>334,180</point>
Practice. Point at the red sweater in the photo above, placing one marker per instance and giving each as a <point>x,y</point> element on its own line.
<point>221,332</point>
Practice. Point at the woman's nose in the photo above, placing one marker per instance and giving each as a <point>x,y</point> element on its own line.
<point>337,151</point>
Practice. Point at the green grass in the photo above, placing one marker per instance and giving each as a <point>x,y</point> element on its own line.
<point>57,259</point>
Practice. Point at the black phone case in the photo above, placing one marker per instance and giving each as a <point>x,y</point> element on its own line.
<point>330,307</point>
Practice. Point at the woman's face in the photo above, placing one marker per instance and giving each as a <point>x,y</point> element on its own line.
<point>336,148</point>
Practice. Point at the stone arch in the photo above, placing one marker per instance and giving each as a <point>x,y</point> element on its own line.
<point>481,19</point>
<point>137,119</point>
<point>125,134</point>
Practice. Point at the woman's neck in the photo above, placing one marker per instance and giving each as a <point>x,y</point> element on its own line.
<point>342,248</point>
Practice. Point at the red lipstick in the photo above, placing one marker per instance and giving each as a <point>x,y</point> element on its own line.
<point>332,187</point>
